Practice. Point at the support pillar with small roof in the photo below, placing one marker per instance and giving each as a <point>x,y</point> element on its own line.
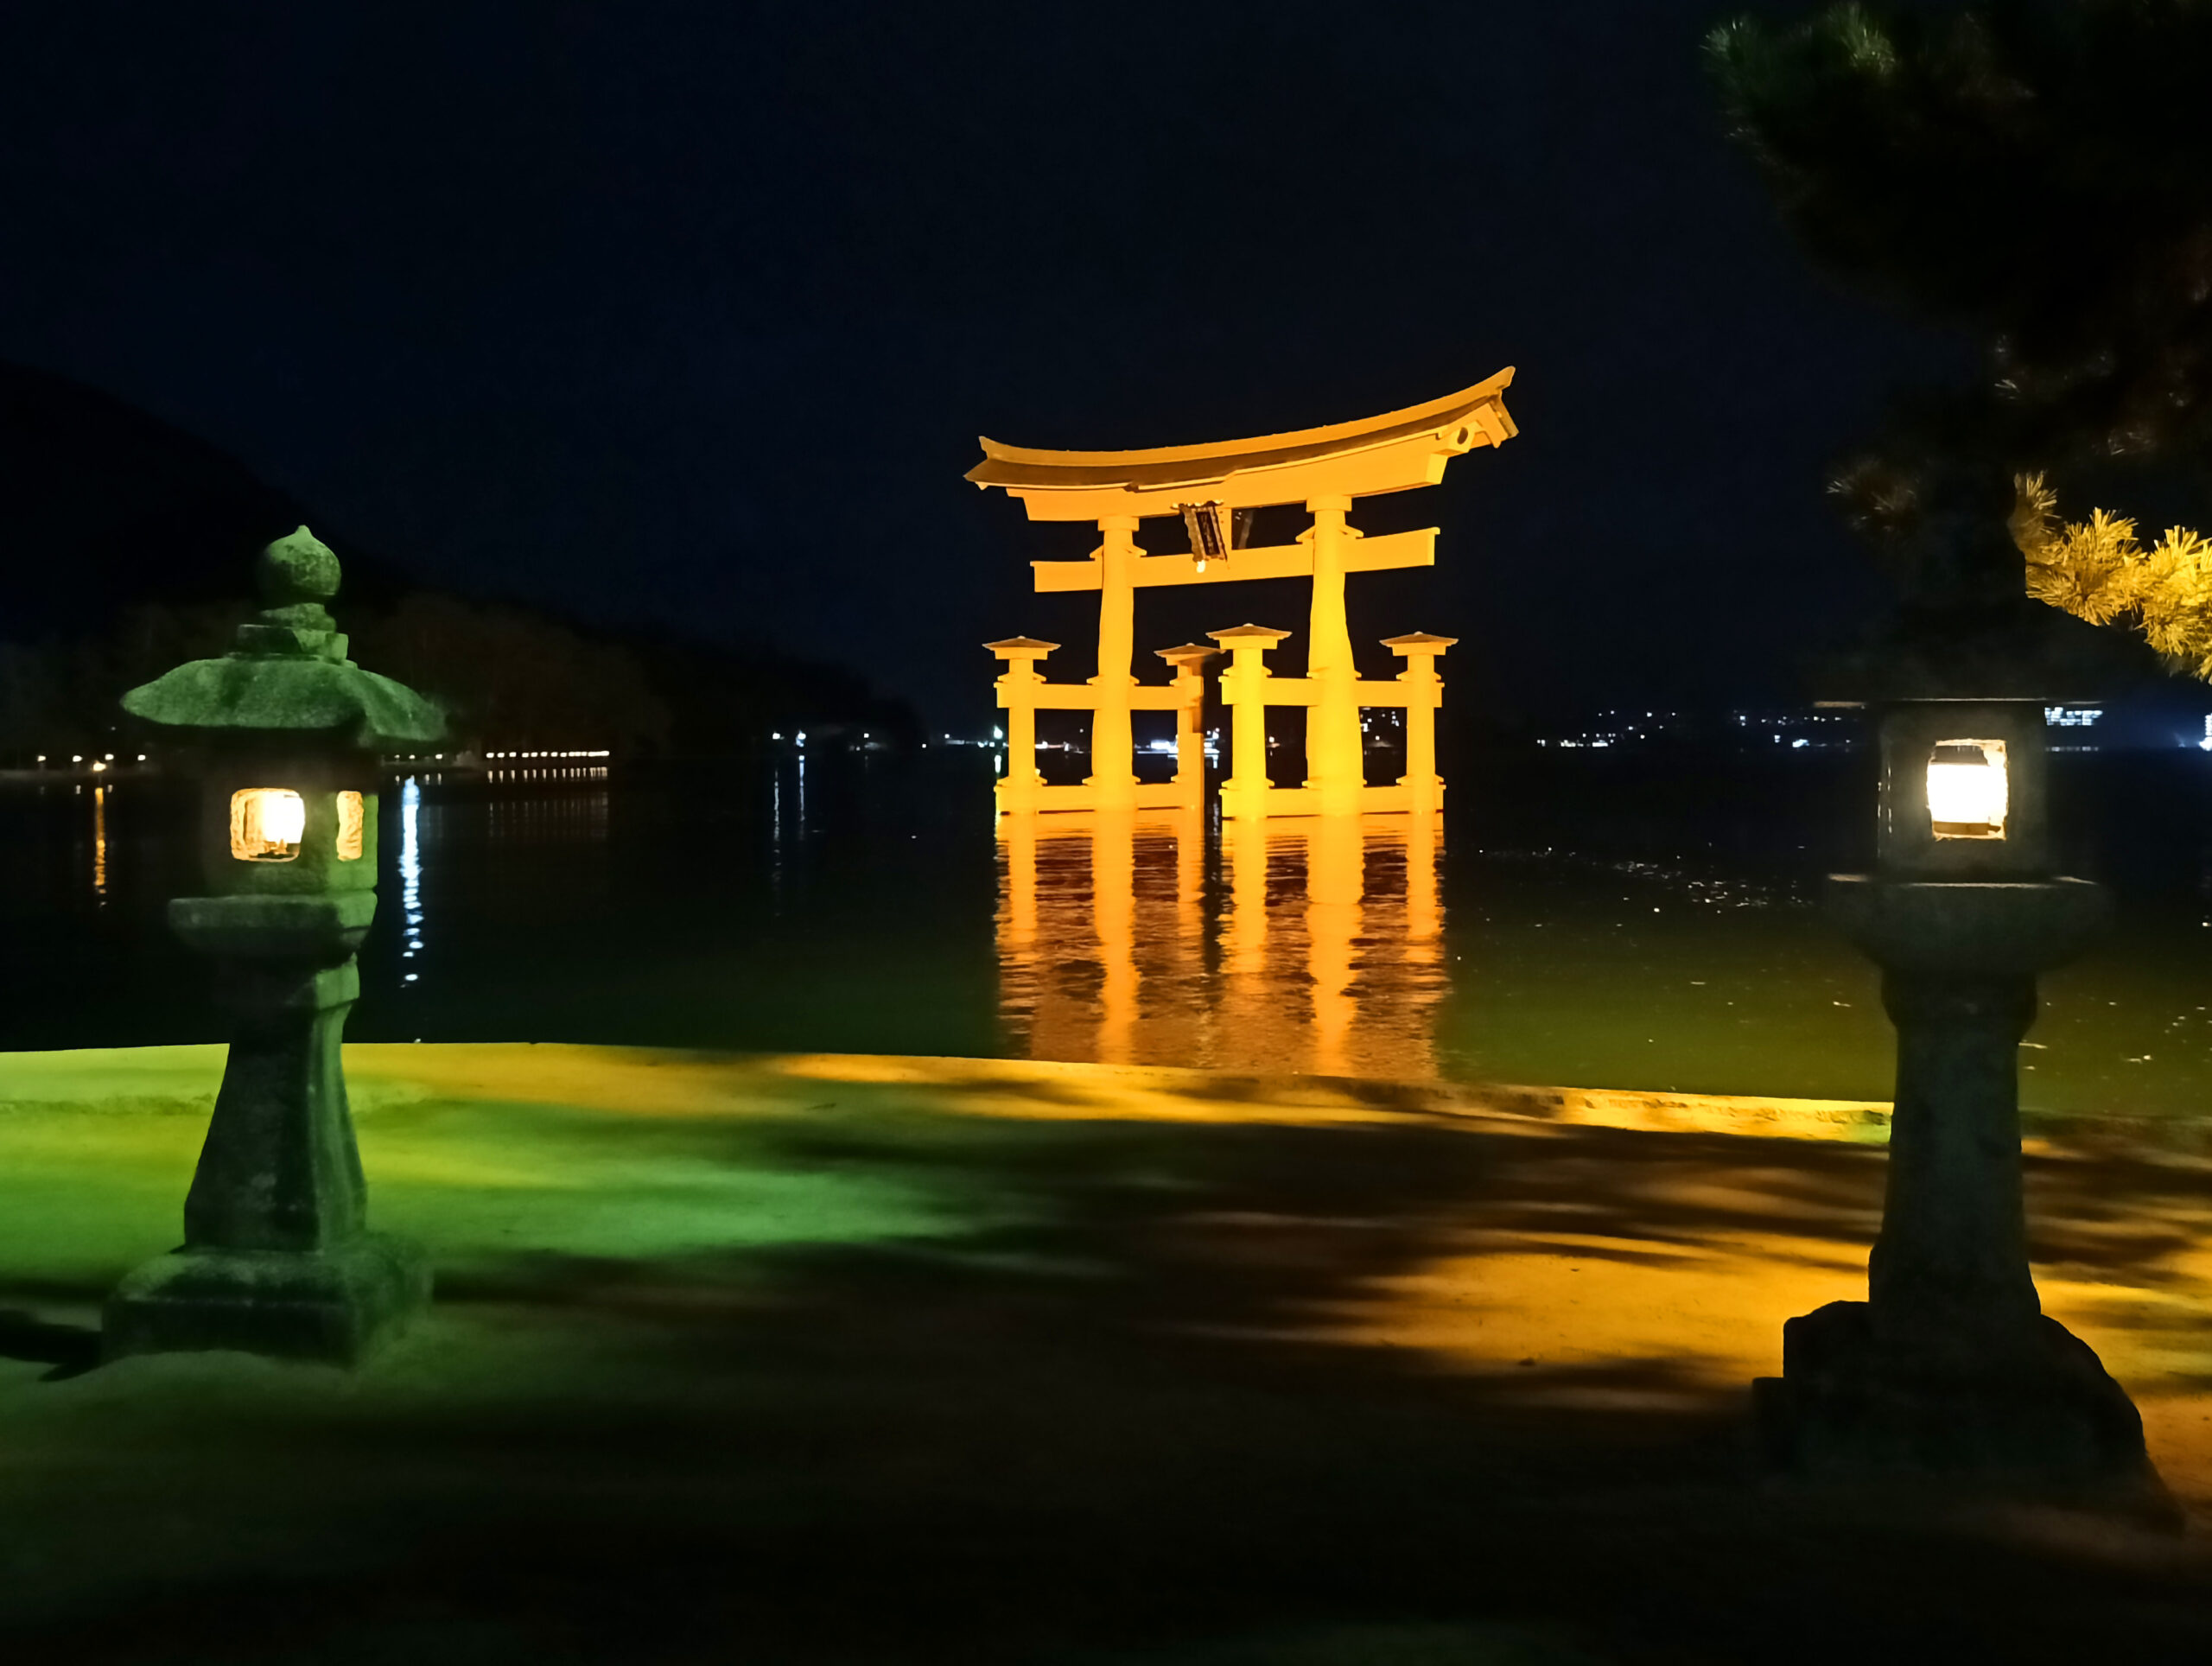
<point>1244,690</point>
<point>1018,685</point>
<point>1424,697</point>
<point>1189,686</point>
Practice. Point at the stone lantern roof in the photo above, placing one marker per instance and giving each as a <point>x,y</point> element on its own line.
<point>289,671</point>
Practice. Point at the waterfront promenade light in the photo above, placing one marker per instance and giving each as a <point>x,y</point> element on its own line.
<point>276,1257</point>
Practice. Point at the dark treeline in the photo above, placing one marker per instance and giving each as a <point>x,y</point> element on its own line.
<point>127,546</point>
<point>508,677</point>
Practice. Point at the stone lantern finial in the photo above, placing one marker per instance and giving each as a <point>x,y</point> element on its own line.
<point>298,567</point>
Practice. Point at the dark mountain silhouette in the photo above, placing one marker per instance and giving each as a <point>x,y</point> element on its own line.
<point>126,542</point>
<point>102,506</point>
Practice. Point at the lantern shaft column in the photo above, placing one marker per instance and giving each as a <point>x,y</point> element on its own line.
<point>1952,1260</point>
<point>277,1256</point>
<point>280,1169</point>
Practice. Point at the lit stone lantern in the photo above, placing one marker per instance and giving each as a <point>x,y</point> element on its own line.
<point>1950,1365</point>
<point>277,1258</point>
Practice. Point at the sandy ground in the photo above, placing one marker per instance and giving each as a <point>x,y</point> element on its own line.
<point>837,1358</point>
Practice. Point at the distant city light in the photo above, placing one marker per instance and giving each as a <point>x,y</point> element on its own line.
<point>1796,728</point>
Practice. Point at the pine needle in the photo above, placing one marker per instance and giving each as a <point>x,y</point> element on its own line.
<point>2101,571</point>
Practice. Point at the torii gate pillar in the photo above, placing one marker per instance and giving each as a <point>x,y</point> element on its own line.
<point>1113,746</point>
<point>1335,756</point>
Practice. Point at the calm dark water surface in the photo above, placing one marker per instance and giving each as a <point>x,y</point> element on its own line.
<point>1597,920</point>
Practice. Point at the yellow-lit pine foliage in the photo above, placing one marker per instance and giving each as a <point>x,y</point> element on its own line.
<point>2098,569</point>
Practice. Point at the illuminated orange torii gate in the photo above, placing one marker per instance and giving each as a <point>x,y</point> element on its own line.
<point>1323,468</point>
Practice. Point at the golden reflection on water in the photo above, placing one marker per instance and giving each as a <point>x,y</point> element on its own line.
<point>99,841</point>
<point>1312,945</point>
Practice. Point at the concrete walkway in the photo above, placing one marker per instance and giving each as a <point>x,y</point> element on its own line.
<point>841,1358</point>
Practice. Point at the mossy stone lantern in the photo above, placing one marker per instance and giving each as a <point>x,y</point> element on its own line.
<point>1950,1367</point>
<point>277,1256</point>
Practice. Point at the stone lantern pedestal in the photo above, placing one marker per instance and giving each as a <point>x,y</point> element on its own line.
<point>1950,1369</point>
<point>276,1257</point>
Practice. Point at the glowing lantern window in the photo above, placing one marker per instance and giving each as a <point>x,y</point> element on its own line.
<point>1967,796</point>
<point>349,826</point>
<point>266,823</point>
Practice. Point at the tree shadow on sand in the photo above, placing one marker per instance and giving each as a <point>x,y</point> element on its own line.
<point>71,1350</point>
<point>1113,1422</point>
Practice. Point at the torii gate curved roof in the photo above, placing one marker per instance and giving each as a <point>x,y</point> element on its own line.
<point>1395,452</point>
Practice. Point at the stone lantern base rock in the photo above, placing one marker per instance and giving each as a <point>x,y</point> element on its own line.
<point>2037,1417</point>
<point>333,1304</point>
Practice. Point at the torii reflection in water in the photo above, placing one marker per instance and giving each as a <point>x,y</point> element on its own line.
<point>1314,946</point>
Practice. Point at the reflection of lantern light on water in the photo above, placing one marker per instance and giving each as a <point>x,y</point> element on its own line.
<point>410,871</point>
<point>1966,789</point>
<point>99,841</point>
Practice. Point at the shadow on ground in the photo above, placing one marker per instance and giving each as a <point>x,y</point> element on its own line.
<point>71,1350</point>
<point>989,1390</point>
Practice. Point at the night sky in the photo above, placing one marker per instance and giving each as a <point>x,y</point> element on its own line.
<point>689,314</point>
